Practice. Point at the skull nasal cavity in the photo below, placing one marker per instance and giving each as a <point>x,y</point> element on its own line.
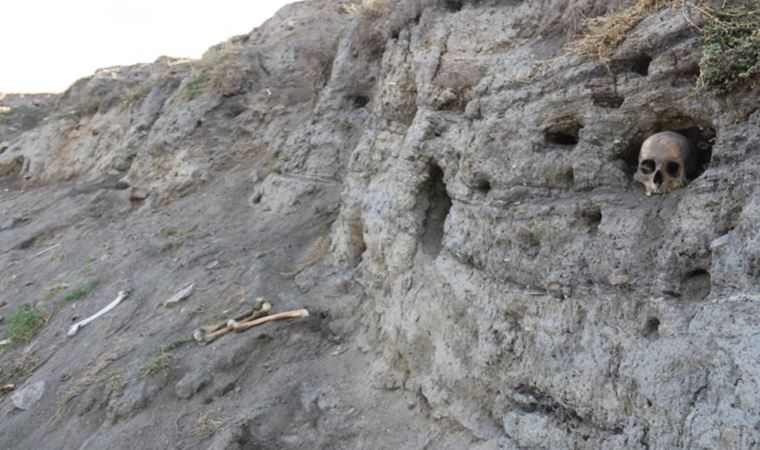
<point>658,178</point>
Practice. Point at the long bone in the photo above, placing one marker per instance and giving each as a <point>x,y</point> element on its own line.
<point>74,328</point>
<point>242,326</point>
<point>207,334</point>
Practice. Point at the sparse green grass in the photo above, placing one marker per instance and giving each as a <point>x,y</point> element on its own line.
<point>731,55</point>
<point>176,344</point>
<point>194,87</point>
<point>24,324</point>
<point>155,365</point>
<point>81,291</point>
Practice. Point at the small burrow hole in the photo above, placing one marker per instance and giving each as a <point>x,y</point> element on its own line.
<point>652,327</point>
<point>438,204</point>
<point>702,138</point>
<point>359,101</point>
<point>482,185</point>
<point>356,245</point>
<point>453,5</point>
<point>637,64</point>
<point>607,100</point>
<point>564,132</point>
<point>592,216</point>
<point>696,285</point>
<point>567,177</point>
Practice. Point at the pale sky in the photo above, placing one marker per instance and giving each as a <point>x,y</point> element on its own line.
<point>46,45</point>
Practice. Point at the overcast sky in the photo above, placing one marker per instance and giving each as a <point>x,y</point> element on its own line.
<point>46,45</point>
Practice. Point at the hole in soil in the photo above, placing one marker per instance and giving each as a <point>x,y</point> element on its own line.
<point>592,216</point>
<point>567,177</point>
<point>564,132</point>
<point>607,99</point>
<point>454,5</point>
<point>357,246</point>
<point>696,285</point>
<point>528,242</point>
<point>701,136</point>
<point>638,64</point>
<point>652,327</point>
<point>482,185</point>
<point>438,206</point>
<point>359,101</point>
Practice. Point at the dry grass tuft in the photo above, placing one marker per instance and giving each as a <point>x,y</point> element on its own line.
<point>370,9</point>
<point>205,426</point>
<point>603,34</point>
<point>91,376</point>
<point>21,368</point>
<point>219,69</point>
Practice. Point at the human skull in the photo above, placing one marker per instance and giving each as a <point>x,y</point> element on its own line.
<point>662,162</point>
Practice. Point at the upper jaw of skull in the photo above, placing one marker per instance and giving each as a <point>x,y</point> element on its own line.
<point>662,163</point>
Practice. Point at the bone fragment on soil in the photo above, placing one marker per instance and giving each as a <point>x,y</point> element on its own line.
<point>7,388</point>
<point>74,328</point>
<point>181,295</point>
<point>242,326</point>
<point>204,335</point>
<point>48,249</point>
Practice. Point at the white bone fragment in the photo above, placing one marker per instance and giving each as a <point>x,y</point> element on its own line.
<point>74,328</point>
<point>48,249</point>
<point>181,295</point>
<point>719,242</point>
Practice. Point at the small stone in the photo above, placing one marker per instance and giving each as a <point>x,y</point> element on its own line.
<point>27,397</point>
<point>138,194</point>
<point>619,279</point>
<point>719,242</point>
<point>212,265</point>
<point>191,383</point>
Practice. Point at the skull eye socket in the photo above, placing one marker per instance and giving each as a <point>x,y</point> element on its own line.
<point>672,168</point>
<point>647,166</point>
